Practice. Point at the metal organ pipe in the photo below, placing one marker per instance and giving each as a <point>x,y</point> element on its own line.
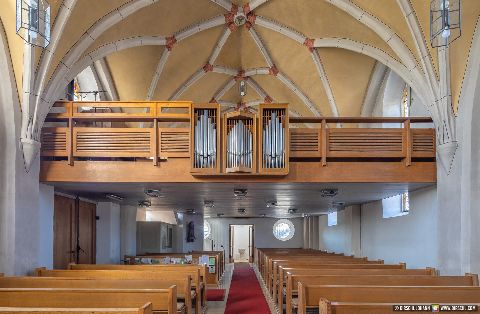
<point>239,144</point>
<point>205,140</point>
<point>273,140</point>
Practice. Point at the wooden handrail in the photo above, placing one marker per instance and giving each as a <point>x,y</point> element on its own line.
<point>155,112</point>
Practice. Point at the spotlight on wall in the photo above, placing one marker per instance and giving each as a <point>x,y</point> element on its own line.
<point>114,197</point>
<point>208,204</point>
<point>292,210</point>
<point>240,192</point>
<point>144,203</point>
<point>152,193</point>
<point>241,211</point>
<point>329,192</point>
<point>191,211</point>
<point>263,215</point>
<point>338,205</point>
<point>220,214</point>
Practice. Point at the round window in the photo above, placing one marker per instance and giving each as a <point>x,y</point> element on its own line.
<point>207,230</point>
<point>283,230</point>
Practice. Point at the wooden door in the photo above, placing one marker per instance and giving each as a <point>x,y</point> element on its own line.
<point>74,235</point>
<point>87,235</point>
<point>64,232</point>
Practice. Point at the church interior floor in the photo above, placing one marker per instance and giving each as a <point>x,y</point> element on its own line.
<point>242,303</point>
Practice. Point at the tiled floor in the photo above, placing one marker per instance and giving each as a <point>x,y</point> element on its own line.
<point>219,307</point>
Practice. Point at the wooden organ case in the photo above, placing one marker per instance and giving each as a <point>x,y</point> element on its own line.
<point>247,143</point>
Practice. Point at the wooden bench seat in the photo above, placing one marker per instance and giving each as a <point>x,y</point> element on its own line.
<point>309,295</point>
<point>146,309</point>
<point>163,300</point>
<point>166,277</point>
<point>382,280</point>
<point>327,307</point>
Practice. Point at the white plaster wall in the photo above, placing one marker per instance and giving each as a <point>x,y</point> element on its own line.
<point>46,211</point>
<point>263,233</point>
<point>411,238</point>
<point>345,236</point>
<point>108,233</point>
<point>128,230</point>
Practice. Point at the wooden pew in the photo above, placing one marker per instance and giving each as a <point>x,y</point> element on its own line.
<point>146,309</point>
<point>166,276</point>
<point>327,307</point>
<point>374,280</point>
<point>273,272</point>
<point>275,282</point>
<point>309,295</point>
<point>174,267</point>
<point>163,300</point>
<point>183,284</point>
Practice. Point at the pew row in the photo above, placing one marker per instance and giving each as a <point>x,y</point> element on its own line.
<point>274,284</point>
<point>327,307</point>
<point>371,280</point>
<point>309,295</point>
<point>162,300</point>
<point>325,272</point>
<point>146,309</point>
<point>168,277</point>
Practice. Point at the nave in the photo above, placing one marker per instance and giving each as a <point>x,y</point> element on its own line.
<point>239,156</point>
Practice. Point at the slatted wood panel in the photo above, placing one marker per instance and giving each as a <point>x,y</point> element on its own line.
<point>113,142</point>
<point>423,143</point>
<point>365,143</point>
<point>305,143</point>
<point>54,141</point>
<point>174,142</point>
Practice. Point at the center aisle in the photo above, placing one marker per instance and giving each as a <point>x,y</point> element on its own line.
<point>245,294</point>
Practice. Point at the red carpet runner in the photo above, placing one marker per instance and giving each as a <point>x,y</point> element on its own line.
<point>245,294</point>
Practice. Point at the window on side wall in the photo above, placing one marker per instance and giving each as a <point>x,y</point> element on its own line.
<point>398,205</point>
<point>332,219</point>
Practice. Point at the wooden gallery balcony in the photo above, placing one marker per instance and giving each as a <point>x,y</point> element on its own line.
<point>185,142</point>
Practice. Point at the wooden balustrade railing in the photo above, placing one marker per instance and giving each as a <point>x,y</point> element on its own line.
<point>318,143</point>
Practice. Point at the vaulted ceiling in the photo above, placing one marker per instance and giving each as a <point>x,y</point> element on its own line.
<point>317,55</point>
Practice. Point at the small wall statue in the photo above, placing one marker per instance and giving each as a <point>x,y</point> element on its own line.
<point>191,232</point>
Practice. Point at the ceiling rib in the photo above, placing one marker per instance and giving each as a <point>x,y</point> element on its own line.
<point>158,73</point>
<point>325,82</point>
<point>227,5</point>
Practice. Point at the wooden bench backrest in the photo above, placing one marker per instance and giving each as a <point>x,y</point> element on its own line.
<point>183,284</point>
<point>161,299</point>
<point>202,268</point>
<point>309,295</point>
<point>327,307</point>
<point>146,309</point>
<point>378,280</point>
<point>165,275</point>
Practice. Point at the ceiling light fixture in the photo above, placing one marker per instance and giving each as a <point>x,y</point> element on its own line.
<point>220,214</point>
<point>241,211</point>
<point>152,193</point>
<point>191,211</point>
<point>445,22</point>
<point>329,192</point>
<point>114,197</point>
<point>272,204</point>
<point>240,192</point>
<point>144,203</point>
<point>209,204</point>
<point>292,210</point>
